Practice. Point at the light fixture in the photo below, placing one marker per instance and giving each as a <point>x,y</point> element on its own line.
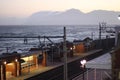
<point>16,60</point>
<point>83,62</point>
<point>71,48</point>
<point>119,17</point>
<point>5,62</point>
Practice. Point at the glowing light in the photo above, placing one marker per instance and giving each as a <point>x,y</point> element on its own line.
<point>83,62</point>
<point>16,60</point>
<point>73,47</point>
<point>10,64</point>
<point>28,58</point>
<point>119,17</point>
<point>5,62</point>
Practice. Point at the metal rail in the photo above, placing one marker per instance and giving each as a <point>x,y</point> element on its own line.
<point>31,36</point>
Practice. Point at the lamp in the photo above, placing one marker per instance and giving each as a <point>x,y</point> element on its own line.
<point>5,62</point>
<point>16,60</point>
<point>71,48</point>
<point>119,17</point>
<point>83,62</point>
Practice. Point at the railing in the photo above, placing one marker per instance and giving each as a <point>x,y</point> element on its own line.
<point>107,76</point>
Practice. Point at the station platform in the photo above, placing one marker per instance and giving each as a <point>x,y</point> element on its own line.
<point>51,65</point>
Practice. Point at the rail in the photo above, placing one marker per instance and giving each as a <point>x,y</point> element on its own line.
<point>31,36</point>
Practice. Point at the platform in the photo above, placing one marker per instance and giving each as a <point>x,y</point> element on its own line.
<point>40,69</point>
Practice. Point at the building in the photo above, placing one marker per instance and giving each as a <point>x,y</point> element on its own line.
<point>9,64</point>
<point>15,64</point>
<point>116,56</point>
<point>116,64</point>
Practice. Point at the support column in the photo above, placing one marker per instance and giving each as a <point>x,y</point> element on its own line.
<point>101,74</point>
<point>15,69</point>
<point>95,74</point>
<point>44,62</point>
<point>118,40</point>
<point>35,60</point>
<point>0,72</point>
<point>87,74</point>
<point>3,72</point>
<point>19,68</point>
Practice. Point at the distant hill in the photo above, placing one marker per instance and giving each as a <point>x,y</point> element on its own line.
<point>73,17</point>
<point>68,17</point>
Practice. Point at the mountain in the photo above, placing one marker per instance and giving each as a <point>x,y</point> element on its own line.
<point>68,17</point>
<point>73,17</point>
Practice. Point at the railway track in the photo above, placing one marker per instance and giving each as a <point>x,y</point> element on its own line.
<point>74,70</point>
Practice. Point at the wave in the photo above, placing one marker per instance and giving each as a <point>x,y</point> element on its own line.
<point>73,32</point>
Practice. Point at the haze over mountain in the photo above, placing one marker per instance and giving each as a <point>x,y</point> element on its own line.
<point>68,17</point>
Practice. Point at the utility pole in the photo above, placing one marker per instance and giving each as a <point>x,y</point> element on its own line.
<point>100,34</point>
<point>102,28</point>
<point>7,49</point>
<point>92,35</point>
<point>65,55</point>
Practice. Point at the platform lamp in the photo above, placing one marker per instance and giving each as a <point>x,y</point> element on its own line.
<point>83,62</point>
<point>119,17</point>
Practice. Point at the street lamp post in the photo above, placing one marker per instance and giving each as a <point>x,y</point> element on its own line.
<point>117,35</point>
<point>65,55</point>
<point>83,62</point>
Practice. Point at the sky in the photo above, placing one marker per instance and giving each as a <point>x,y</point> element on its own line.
<point>24,8</point>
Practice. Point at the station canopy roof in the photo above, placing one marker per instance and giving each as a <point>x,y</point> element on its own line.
<point>117,28</point>
<point>102,62</point>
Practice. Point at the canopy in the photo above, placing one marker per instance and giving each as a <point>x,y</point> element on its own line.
<point>102,62</point>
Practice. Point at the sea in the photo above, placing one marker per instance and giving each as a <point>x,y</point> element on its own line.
<point>74,32</point>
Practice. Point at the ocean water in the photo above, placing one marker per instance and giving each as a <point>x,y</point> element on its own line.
<point>78,32</point>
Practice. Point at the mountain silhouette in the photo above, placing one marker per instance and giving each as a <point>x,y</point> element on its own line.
<point>73,17</point>
<point>68,17</point>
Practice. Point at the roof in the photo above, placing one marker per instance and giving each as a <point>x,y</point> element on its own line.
<point>102,62</point>
<point>117,28</point>
<point>9,57</point>
<point>6,55</point>
<point>30,53</point>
